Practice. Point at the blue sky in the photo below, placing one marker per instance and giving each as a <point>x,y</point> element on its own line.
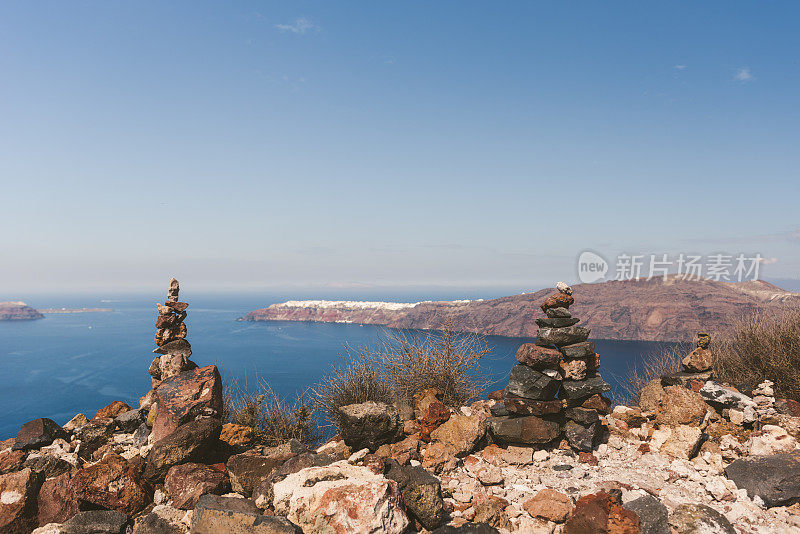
<point>263,144</point>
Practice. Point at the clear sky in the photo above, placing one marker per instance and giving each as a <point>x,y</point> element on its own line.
<point>264,144</point>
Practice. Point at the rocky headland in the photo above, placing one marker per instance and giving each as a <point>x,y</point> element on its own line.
<point>548,454</point>
<point>644,310</point>
<point>18,311</point>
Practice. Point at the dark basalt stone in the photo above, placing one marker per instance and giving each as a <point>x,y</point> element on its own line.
<point>563,336</point>
<point>578,350</point>
<point>528,430</point>
<point>582,438</point>
<point>523,406</point>
<point>578,389</point>
<point>774,478</point>
<point>531,384</point>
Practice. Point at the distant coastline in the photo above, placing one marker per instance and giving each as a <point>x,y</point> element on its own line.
<point>51,311</point>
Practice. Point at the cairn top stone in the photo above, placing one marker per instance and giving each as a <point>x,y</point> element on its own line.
<point>562,287</point>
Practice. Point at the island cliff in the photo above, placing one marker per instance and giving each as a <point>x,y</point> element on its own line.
<point>645,310</point>
<point>18,311</point>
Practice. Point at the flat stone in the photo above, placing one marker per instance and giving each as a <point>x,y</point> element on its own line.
<point>531,384</point>
<point>697,519</point>
<point>96,522</point>
<point>38,433</point>
<point>538,357</point>
<point>719,395</point>
<point>179,346</point>
<point>563,336</point>
<point>522,406</point>
<point>555,313</point>
<point>583,416</point>
<point>557,322</point>
<point>584,349</point>
<point>601,512</point>
<point>186,396</point>
<point>653,515</point>
<point>527,430</point>
<point>247,470</point>
<point>549,504</point>
<point>775,478</point>
<point>467,528</point>
<point>578,389</point>
<point>214,514</point>
<point>557,300</point>
<point>683,378</point>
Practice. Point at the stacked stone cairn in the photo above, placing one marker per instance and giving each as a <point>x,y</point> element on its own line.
<point>173,350</point>
<point>555,390</point>
<point>696,366</point>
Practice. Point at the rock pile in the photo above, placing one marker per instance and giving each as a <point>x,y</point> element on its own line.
<point>173,350</point>
<point>696,366</point>
<point>555,388</point>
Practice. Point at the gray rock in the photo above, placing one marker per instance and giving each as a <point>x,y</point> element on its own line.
<point>141,435</point>
<point>49,466</point>
<point>698,519</point>
<point>583,416</point>
<point>682,378</point>
<point>247,470</point>
<point>421,493</point>
<point>368,425</point>
<point>193,442</point>
<point>154,524</point>
<point>38,433</point>
<point>718,395</point>
<point>579,389</point>
<point>774,478</point>
<point>563,336</point>
<point>557,322</point>
<point>129,421</point>
<point>582,438</point>
<point>653,515</point>
<point>96,522</point>
<point>531,384</point>
<point>467,528</point>
<point>556,313</point>
<point>214,514</point>
<point>498,409</point>
<point>578,350</point>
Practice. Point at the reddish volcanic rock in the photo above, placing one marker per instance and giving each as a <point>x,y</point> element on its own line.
<point>599,403</point>
<point>587,458</point>
<point>601,513</point>
<point>187,482</point>
<point>183,397</point>
<point>558,300</point>
<point>523,406</point>
<point>681,406</point>
<point>236,435</point>
<point>436,414</point>
<point>57,500</point>
<point>538,357</point>
<point>18,501</point>
<point>112,410</point>
<point>113,484</point>
<point>549,504</point>
<point>11,460</point>
<point>496,395</point>
<point>38,433</point>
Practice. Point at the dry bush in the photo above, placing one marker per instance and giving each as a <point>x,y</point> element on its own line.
<point>444,359</point>
<point>665,360</point>
<point>355,380</point>
<point>402,364</point>
<point>272,420</point>
<point>763,346</point>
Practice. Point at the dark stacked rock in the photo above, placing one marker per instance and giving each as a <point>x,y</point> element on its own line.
<point>555,386</point>
<point>173,349</point>
<point>696,366</point>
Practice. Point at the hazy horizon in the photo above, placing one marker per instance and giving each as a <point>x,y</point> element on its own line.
<point>262,144</point>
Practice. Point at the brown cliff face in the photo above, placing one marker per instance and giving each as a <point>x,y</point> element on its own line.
<point>18,311</point>
<point>644,310</point>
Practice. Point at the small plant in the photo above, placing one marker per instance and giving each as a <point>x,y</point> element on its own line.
<point>764,346</point>
<point>272,420</point>
<point>664,361</point>
<point>355,380</point>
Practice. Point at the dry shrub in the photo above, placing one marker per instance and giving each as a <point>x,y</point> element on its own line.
<point>272,420</point>
<point>665,360</point>
<point>444,359</point>
<point>763,346</point>
<point>355,380</point>
<point>402,364</point>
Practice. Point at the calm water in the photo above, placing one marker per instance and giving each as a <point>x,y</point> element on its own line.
<point>65,364</point>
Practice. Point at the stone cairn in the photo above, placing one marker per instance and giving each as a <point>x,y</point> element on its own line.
<point>173,350</point>
<point>555,389</point>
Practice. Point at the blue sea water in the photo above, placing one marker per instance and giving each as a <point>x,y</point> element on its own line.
<point>70,363</point>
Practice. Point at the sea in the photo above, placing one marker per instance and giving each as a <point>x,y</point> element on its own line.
<point>79,362</point>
